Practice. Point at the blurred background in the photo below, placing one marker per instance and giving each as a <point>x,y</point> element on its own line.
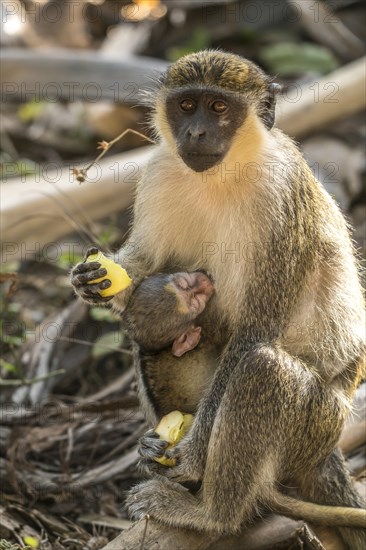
<point>72,73</point>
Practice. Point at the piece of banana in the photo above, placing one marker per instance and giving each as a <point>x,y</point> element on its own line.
<point>172,427</point>
<point>115,273</point>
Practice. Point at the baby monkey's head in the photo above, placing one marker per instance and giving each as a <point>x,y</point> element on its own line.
<point>163,308</point>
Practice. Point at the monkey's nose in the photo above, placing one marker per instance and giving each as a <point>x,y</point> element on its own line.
<point>196,134</point>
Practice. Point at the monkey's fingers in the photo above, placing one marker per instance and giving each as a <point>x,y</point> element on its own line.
<point>86,269</point>
<point>174,452</point>
<point>95,288</point>
<point>150,433</point>
<point>97,300</point>
<point>151,446</point>
<point>90,251</point>
<point>91,292</point>
<point>82,277</point>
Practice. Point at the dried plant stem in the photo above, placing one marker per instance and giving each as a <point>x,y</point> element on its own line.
<point>106,146</point>
<point>145,531</point>
<point>30,381</point>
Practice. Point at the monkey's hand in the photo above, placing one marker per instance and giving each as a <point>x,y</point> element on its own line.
<point>85,272</point>
<point>190,462</point>
<point>151,447</point>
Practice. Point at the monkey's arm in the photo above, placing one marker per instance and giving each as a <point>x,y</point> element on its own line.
<point>84,273</point>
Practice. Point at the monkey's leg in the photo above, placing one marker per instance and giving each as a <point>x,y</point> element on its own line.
<point>279,383</point>
<point>270,421</point>
<point>241,466</point>
<point>331,484</point>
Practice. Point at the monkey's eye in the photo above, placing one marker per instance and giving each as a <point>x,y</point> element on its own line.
<point>219,106</point>
<point>187,105</point>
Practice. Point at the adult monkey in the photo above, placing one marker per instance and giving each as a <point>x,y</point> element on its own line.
<point>276,403</point>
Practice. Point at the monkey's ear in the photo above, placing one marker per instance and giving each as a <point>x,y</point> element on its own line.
<point>186,341</point>
<point>269,110</point>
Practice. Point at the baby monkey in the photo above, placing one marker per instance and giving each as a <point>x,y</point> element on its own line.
<point>163,309</point>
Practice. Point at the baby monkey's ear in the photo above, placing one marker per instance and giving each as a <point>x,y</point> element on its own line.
<point>186,341</point>
<point>269,110</point>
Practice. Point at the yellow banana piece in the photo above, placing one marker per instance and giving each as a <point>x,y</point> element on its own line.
<point>115,273</point>
<point>172,427</point>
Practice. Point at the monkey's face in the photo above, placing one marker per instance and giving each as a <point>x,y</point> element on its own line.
<point>203,122</point>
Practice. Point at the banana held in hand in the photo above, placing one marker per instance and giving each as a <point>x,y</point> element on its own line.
<point>172,427</point>
<point>115,273</point>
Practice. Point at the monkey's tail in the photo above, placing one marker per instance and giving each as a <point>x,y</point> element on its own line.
<point>337,516</point>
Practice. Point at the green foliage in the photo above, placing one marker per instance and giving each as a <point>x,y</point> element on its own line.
<point>13,340</point>
<point>21,167</point>
<point>103,314</point>
<point>108,234</point>
<point>69,259</point>
<point>199,40</point>
<point>107,344</point>
<point>6,545</point>
<point>9,367</point>
<point>289,58</point>
<point>31,110</point>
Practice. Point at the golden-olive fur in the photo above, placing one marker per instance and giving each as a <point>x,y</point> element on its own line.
<point>287,319</point>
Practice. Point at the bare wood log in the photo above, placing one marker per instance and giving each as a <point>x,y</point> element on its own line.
<point>361,486</point>
<point>31,216</point>
<point>326,28</point>
<point>338,94</point>
<point>353,437</point>
<point>74,74</point>
<point>354,432</point>
<point>329,538</point>
<point>32,210</point>
<point>264,535</point>
<point>357,463</point>
<point>159,537</point>
<point>261,537</point>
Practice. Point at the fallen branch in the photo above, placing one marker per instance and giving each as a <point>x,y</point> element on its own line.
<point>263,536</point>
<point>334,96</point>
<point>354,432</point>
<point>53,215</point>
<point>326,28</point>
<point>47,195</point>
<point>74,74</point>
<point>29,381</point>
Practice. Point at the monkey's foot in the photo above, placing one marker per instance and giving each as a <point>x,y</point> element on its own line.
<point>164,501</point>
<point>190,464</point>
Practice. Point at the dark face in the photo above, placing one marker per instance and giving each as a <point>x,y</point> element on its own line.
<point>204,122</point>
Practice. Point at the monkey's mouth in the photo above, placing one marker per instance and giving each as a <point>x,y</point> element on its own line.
<point>199,162</point>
